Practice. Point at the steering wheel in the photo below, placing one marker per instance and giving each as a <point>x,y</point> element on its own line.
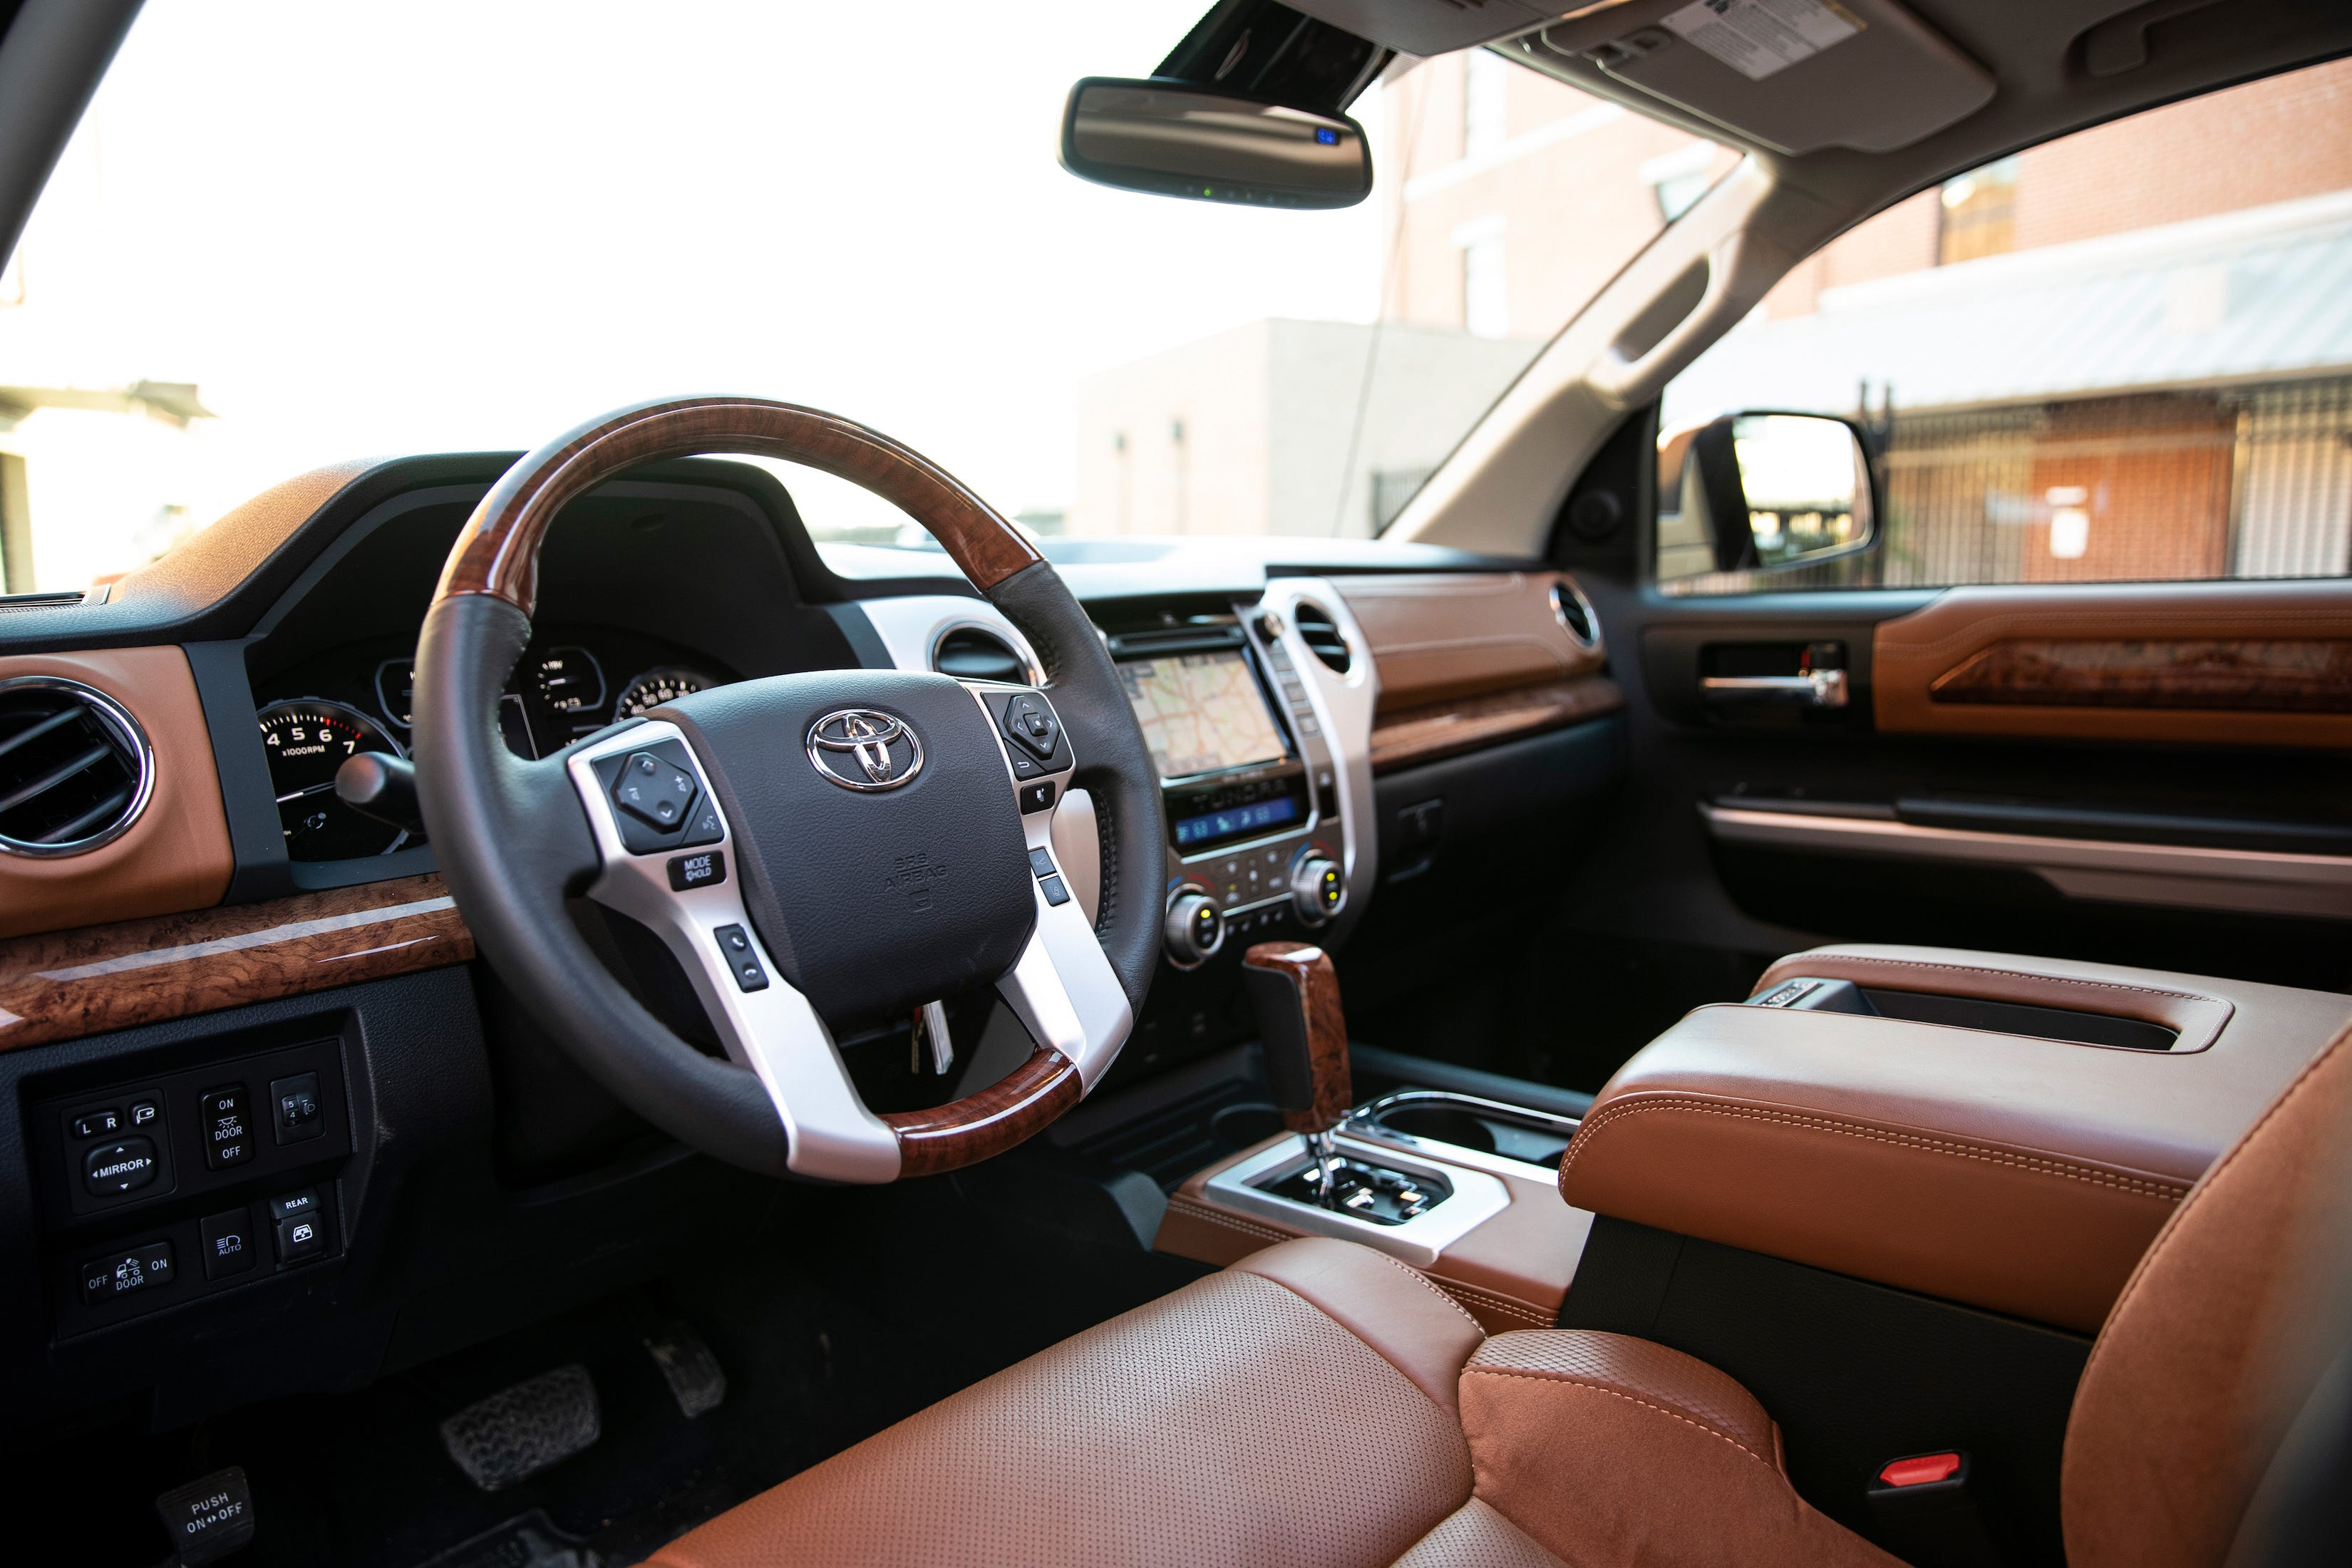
<point>819,851</point>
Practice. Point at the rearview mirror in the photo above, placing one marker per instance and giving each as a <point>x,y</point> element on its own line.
<point>1172,139</point>
<point>1772,490</point>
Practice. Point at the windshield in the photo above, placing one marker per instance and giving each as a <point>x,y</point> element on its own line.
<point>287,235</point>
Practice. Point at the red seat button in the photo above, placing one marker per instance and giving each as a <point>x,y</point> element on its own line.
<point>1920,1469</point>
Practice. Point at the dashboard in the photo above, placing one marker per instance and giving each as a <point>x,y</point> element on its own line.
<point>570,682</point>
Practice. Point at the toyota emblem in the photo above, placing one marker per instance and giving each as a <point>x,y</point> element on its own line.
<point>860,749</point>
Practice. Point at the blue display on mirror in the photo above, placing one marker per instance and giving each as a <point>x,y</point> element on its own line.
<point>1326,136</point>
<point>1241,819</point>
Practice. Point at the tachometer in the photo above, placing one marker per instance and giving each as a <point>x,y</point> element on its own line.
<point>306,740</point>
<point>655,687</point>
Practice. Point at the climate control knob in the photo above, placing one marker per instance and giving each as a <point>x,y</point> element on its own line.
<point>1195,929</point>
<point>1318,888</point>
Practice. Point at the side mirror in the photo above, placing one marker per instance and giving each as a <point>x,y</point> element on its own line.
<point>1779,489</point>
<point>1172,139</point>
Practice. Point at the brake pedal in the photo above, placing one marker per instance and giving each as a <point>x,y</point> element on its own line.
<point>696,1379</point>
<point>520,1431</point>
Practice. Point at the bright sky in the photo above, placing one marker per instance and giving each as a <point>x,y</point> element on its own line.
<point>367,228</point>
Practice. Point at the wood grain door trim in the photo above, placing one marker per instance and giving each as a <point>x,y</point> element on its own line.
<point>2151,662</point>
<point>64,985</point>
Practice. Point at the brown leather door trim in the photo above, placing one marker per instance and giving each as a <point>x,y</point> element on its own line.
<point>2263,664</point>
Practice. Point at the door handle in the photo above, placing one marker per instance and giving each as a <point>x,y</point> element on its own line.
<point>1816,689</point>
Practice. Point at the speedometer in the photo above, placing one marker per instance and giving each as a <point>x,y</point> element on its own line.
<point>655,687</point>
<point>306,740</point>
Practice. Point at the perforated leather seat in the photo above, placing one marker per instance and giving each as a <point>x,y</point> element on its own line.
<point>1321,1404</point>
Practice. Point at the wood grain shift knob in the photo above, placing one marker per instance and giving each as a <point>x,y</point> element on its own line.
<point>1295,994</point>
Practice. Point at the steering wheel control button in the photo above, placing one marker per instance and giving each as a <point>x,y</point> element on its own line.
<point>296,1227</point>
<point>1056,892</point>
<point>653,791</point>
<point>228,1131</point>
<point>229,1246</point>
<point>735,946</point>
<point>119,1274</point>
<point>1036,797</point>
<point>296,1115</point>
<point>97,1125</point>
<point>702,823</point>
<point>1029,721</point>
<point>1041,863</point>
<point>707,869</point>
<point>123,1166</point>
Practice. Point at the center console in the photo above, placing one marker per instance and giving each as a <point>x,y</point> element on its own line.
<point>1252,726</point>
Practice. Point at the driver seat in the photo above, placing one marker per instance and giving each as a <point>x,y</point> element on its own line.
<point>1319,1403</point>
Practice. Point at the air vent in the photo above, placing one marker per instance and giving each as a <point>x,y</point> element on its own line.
<point>1322,636</point>
<point>75,771</point>
<point>1572,610</point>
<point>971,653</point>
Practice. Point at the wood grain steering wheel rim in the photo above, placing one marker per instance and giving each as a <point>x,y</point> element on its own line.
<point>474,793</point>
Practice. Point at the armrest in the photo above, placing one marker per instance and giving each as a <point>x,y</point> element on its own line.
<point>2021,1175</point>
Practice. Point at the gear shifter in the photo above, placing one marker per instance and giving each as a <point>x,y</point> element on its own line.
<point>1296,992</point>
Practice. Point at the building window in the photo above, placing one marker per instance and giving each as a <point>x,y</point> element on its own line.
<point>1679,178</point>
<point>1980,214</point>
<point>1486,293</point>
<point>1485,103</point>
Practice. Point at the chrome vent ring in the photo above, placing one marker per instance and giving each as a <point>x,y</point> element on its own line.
<point>76,770</point>
<point>1321,634</point>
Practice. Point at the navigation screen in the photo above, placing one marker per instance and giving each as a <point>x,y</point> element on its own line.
<point>1201,712</point>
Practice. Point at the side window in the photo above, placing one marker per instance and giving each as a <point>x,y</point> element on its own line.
<point>2118,356</point>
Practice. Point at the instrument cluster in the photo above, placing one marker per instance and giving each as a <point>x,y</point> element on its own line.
<point>359,699</point>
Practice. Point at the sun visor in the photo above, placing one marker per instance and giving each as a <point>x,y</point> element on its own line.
<point>1438,27</point>
<point>1791,75</point>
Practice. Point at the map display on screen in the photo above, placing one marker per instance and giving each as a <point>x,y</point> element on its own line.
<point>1201,712</point>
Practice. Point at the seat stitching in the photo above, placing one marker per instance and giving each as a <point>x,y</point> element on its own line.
<point>1509,1305</point>
<point>1218,1217</point>
<point>2032,1164</point>
<point>1423,1280</point>
<point>2139,1273</point>
<point>1617,1393</point>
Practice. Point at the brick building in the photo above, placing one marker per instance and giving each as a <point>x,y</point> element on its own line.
<point>2127,354</point>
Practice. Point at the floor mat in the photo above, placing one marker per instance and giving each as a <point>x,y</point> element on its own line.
<point>531,1541</point>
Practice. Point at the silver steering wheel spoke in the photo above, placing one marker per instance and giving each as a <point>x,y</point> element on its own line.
<point>1063,989</point>
<point>766,1026</point>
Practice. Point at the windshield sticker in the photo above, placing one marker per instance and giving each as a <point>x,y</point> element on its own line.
<point>1757,38</point>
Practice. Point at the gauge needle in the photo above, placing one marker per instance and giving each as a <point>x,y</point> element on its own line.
<point>299,794</point>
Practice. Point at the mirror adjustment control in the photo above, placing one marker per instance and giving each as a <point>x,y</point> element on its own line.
<point>123,1166</point>
<point>144,1113</point>
<point>742,957</point>
<point>97,1125</point>
<point>119,1274</point>
<point>228,1129</point>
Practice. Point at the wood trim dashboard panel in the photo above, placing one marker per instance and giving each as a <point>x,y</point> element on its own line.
<point>2264,664</point>
<point>177,855</point>
<point>64,985</point>
<point>1426,734</point>
<point>1436,637</point>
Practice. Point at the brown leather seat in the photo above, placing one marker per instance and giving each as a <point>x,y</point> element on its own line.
<point>1319,1403</point>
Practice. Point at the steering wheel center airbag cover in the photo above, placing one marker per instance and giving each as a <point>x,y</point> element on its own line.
<point>880,851</point>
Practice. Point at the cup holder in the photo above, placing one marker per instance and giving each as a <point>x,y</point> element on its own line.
<point>1436,1120</point>
<point>1444,1123</point>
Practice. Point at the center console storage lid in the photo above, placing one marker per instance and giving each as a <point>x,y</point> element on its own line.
<point>2022,1174</point>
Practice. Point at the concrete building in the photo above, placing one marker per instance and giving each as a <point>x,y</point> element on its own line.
<point>1280,427</point>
